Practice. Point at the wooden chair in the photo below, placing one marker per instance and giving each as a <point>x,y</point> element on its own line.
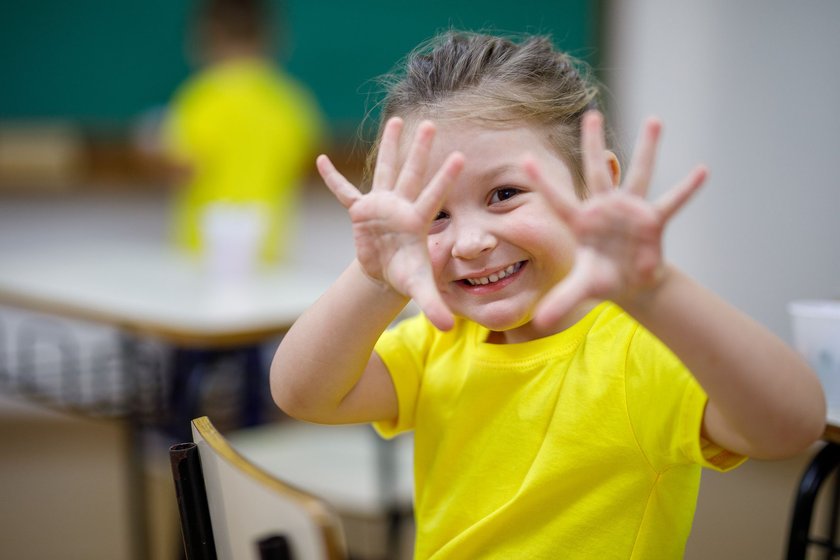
<point>368,480</point>
<point>232,509</point>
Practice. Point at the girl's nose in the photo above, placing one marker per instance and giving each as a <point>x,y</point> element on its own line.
<point>471,241</point>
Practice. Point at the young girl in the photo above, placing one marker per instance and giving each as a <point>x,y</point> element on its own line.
<point>565,383</point>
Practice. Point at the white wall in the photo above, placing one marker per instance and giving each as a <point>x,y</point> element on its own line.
<point>752,89</point>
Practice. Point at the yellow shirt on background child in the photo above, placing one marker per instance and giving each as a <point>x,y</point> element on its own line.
<point>583,444</point>
<point>246,131</point>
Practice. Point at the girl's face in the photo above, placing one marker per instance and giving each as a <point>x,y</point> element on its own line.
<point>496,246</point>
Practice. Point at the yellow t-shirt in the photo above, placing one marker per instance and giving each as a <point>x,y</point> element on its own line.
<point>246,131</point>
<point>583,444</point>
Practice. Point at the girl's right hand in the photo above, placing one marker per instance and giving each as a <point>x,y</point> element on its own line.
<point>391,222</point>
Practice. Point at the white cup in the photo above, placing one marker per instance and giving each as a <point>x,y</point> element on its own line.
<point>233,235</point>
<point>816,335</point>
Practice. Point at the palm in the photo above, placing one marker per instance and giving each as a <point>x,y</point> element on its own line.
<point>390,237</point>
<point>390,223</point>
<point>618,243</point>
<point>618,231</point>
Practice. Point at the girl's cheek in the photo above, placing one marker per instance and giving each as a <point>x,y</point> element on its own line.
<point>436,256</point>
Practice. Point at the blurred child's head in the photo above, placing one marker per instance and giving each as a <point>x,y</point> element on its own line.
<point>497,83</point>
<point>226,28</point>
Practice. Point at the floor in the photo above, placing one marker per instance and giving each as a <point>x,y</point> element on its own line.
<point>62,489</point>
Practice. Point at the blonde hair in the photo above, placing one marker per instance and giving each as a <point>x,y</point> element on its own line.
<point>497,82</point>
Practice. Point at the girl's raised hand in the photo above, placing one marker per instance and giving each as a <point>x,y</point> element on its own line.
<point>391,222</point>
<point>618,231</point>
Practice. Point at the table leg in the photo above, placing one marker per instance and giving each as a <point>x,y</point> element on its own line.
<point>138,512</point>
<point>135,456</point>
<point>190,367</point>
<point>254,388</point>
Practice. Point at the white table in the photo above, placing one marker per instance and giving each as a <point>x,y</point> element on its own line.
<point>155,291</point>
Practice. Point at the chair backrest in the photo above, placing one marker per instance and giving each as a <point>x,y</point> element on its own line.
<point>248,506</point>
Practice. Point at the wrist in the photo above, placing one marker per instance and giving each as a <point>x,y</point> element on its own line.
<point>381,288</point>
<point>643,299</point>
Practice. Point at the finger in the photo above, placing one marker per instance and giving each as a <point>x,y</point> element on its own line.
<point>644,158</point>
<point>344,190</point>
<point>594,161</point>
<point>385,172</point>
<point>430,199</point>
<point>437,312</point>
<point>565,205</point>
<point>562,299</point>
<point>427,297</point>
<point>410,181</point>
<point>670,202</point>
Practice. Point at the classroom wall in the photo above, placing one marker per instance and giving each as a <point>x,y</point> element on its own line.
<point>101,61</point>
<point>750,88</point>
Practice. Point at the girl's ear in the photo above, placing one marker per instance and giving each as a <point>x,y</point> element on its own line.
<point>614,167</point>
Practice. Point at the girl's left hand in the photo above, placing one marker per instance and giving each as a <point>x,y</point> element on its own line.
<point>619,232</point>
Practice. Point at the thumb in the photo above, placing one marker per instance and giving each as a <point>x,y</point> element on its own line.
<point>428,299</point>
<point>562,299</point>
<point>439,315</point>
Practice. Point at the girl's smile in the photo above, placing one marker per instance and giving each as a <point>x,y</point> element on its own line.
<point>492,281</point>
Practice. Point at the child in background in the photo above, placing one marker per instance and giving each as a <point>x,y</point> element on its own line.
<point>242,129</point>
<point>564,383</point>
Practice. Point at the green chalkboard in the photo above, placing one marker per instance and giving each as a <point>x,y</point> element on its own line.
<point>106,61</point>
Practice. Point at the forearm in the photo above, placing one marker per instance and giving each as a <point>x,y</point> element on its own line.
<point>763,398</point>
<point>325,353</point>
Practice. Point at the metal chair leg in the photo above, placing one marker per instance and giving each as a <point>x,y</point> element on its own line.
<point>196,528</point>
<point>820,468</point>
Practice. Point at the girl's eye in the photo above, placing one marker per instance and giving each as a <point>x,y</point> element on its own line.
<point>504,193</point>
<point>439,223</point>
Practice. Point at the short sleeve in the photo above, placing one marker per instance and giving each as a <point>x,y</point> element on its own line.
<point>404,350</point>
<point>696,448</point>
<point>666,405</point>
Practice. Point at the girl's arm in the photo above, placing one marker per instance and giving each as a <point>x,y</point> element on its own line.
<point>764,401</point>
<point>325,369</point>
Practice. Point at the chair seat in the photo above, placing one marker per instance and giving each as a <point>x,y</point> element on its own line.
<point>349,466</point>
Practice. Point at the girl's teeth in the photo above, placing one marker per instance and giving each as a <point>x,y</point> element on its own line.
<point>495,277</point>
